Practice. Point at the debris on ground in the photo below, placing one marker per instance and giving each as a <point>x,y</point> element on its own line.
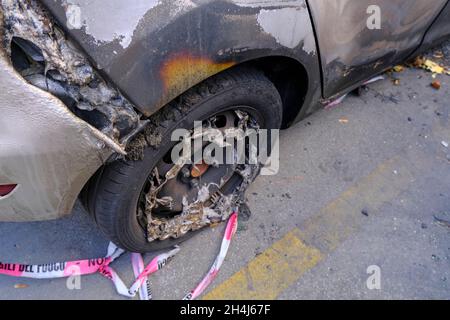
<point>395,81</point>
<point>20,286</point>
<point>332,103</point>
<point>244,212</point>
<point>377,78</point>
<point>398,68</point>
<point>438,54</point>
<point>429,65</point>
<point>442,222</point>
<point>343,120</point>
<point>445,144</point>
<point>336,102</point>
<point>436,84</point>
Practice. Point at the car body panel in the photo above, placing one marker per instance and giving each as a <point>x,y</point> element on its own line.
<point>44,148</point>
<point>159,49</point>
<point>440,30</point>
<point>351,52</point>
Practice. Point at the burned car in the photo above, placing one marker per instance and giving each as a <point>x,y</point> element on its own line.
<point>91,92</point>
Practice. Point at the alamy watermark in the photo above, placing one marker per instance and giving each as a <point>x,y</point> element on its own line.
<point>73,282</point>
<point>373,282</point>
<point>374,19</point>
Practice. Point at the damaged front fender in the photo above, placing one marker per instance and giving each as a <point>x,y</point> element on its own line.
<point>46,58</point>
<point>156,50</point>
<point>44,149</point>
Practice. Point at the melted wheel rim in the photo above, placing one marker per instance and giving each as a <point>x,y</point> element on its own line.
<point>176,199</point>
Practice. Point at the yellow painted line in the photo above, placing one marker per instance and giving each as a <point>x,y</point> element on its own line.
<point>271,272</point>
<point>342,217</point>
<point>282,264</point>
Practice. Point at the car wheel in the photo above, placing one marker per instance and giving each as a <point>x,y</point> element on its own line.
<point>121,195</point>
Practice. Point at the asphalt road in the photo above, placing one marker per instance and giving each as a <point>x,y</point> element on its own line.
<point>359,185</point>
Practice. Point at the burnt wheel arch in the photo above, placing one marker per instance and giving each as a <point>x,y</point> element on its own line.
<point>111,198</point>
<point>287,74</point>
<point>291,80</point>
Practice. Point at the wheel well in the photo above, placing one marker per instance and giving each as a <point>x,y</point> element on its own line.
<point>290,78</point>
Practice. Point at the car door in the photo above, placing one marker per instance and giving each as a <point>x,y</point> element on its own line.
<point>439,31</point>
<point>353,47</point>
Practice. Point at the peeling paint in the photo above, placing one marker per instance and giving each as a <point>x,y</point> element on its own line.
<point>119,28</point>
<point>267,3</point>
<point>180,6</point>
<point>221,31</point>
<point>73,14</point>
<point>286,27</point>
<point>82,14</point>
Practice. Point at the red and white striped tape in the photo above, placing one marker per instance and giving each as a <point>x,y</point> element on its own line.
<point>102,265</point>
<point>214,270</point>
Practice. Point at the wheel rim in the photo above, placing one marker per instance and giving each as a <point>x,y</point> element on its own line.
<point>161,209</point>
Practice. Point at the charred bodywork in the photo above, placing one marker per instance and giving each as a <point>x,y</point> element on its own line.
<point>155,50</point>
<point>106,69</point>
<point>45,149</point>
<point>44,56</point>
<point>351,51</point>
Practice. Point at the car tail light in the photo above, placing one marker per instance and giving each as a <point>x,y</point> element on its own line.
<point>6,189</point>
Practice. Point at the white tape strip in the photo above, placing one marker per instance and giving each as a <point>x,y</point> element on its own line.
<point>138,267</point>
<point>102,266</point>
<point>214,270</point>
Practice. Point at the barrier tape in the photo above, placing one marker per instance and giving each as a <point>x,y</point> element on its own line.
<point>214,270</point>
<point>145,292</point>
<point>339,100</point>
<point>141,283</point>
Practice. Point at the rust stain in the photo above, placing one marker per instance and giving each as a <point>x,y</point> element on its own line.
<point>182,71</point>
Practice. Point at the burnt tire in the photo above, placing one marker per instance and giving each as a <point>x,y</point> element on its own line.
<point>114,195</point>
